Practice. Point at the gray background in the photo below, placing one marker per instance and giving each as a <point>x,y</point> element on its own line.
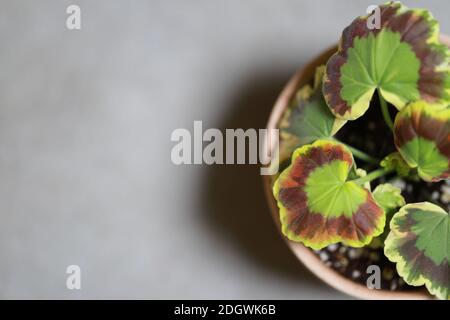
<point>85,124</point>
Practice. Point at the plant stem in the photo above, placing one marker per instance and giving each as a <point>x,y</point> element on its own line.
<point>361,155</point>
<point>372,176</point>
<point>385,111</point>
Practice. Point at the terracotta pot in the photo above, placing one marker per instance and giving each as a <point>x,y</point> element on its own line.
<point>305,255</point>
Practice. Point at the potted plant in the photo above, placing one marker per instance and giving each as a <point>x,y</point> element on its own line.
<point>364,157</point>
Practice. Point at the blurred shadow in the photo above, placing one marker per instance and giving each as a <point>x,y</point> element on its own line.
<point>233,194</point>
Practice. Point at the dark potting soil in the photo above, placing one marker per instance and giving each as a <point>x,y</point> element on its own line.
<point>371,135</point>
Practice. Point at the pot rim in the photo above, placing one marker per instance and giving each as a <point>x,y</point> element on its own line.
<point>304,254</point>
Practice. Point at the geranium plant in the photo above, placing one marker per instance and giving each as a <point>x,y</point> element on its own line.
<point>329,191</point>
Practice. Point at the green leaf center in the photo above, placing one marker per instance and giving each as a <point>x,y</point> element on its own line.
<point>383,62</point>
<point>425,155</point>
<point>429,228</point>
<point>330,194</point>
